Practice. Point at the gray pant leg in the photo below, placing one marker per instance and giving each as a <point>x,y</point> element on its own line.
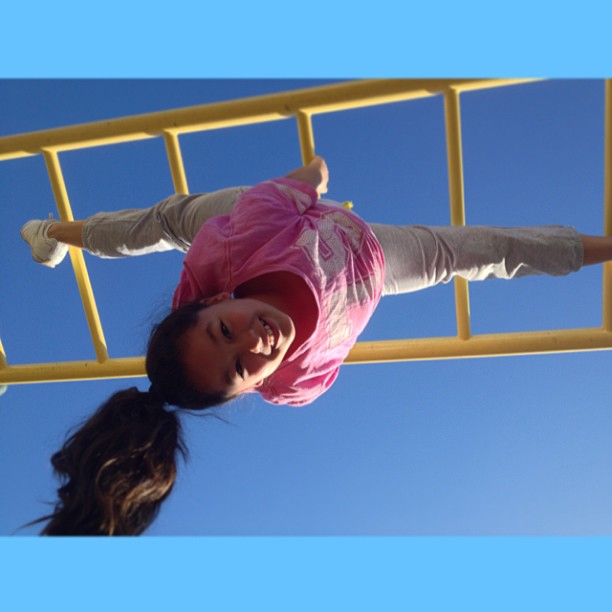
<point>418,257</point>
<point>171,224</point>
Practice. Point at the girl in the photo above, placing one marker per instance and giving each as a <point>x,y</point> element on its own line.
<point>277,285</point>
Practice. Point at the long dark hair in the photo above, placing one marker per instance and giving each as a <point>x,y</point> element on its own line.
<point>121,464</point>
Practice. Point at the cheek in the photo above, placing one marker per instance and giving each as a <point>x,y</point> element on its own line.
<point>195,357</point>
<point>274,365</point>
<point>191,365</point>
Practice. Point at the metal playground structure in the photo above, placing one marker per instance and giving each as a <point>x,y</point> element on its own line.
<point>299,106</point>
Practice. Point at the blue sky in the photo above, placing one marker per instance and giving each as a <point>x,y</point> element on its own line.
<point>506,446</point>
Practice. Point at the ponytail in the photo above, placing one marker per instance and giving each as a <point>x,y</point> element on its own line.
<point>117,468</point>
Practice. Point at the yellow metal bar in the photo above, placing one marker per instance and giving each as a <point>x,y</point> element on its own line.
<point>329,98</point>
<point>306,137</point>
<point>607,267</point>
<point>490,345</point>
<point>455,159</point>
<point>467,85</point>
<point>360,94</point>
<point>78,263</point>
<point>126,367</point>
<point>419,349</point>
<point>3,362</point>
<point>175,159</point>
<point>457,201</point>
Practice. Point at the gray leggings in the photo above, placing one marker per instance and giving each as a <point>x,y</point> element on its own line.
<point>416,256</point>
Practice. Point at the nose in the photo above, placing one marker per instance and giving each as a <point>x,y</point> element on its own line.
<point>252,342</point>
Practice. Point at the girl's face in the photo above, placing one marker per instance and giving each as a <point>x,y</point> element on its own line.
<point>235,344</point>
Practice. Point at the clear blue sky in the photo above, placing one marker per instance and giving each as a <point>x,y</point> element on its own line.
<point>505,446</point>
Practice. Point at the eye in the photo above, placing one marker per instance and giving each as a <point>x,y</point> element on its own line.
<point>239,369</point>
<point>225,331</point>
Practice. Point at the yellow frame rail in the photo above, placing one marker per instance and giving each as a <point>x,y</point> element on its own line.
<point>301,105</point>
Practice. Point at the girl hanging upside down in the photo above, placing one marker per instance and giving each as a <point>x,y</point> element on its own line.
<point>276,287</point>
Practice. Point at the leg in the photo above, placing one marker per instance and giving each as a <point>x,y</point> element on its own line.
<point>67,232</point>
<point>170,224</point>
<point>597,249</point>
<point>419,257</point>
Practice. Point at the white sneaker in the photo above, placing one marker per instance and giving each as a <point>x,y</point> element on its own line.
<point>46,251</point>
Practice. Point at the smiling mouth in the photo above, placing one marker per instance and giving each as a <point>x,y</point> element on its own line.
<point>270,333</point>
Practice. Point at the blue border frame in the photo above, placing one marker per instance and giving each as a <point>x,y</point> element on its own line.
<point>185,39</point>
<point>308,574</point>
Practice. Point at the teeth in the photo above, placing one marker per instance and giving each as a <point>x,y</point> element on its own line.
<point>269,331</point>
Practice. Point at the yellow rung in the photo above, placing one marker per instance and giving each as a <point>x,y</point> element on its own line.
<point>76,256</point>
<point>306,137</point>
<point>175,159</point>
<point>457,201</point>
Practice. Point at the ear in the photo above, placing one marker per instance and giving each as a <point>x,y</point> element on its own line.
<point>215,299</point>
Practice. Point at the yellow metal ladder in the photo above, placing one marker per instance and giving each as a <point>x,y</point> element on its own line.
<point>300,105</point>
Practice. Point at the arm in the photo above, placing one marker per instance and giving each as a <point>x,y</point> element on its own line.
<point>314,174</point>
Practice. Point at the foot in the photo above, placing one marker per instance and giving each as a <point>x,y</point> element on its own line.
<point>46,251</point>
